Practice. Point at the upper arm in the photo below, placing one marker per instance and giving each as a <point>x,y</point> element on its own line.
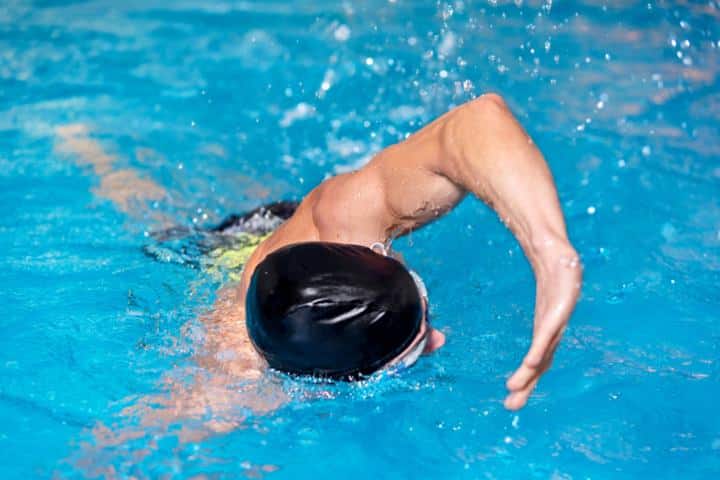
<point>416,185</point>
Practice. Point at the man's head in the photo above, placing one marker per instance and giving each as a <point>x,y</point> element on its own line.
<point>335,310</point>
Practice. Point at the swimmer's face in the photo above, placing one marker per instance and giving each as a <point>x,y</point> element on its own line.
<point>425,342</point>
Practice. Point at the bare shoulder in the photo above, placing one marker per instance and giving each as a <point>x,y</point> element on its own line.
<point>350,208</point>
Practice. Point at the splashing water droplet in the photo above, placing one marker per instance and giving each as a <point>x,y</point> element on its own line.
<point>342,33</point>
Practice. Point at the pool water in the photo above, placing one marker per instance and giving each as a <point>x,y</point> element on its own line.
<point>227,105</point>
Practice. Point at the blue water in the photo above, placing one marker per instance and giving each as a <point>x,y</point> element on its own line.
<point>229,104</point>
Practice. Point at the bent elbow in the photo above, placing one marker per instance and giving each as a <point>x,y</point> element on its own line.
<point>488,104</point>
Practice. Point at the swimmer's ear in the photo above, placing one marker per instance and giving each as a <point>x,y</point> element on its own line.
<point>435,341</point>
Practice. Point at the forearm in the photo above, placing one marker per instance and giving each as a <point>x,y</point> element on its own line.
<point>487,152</point>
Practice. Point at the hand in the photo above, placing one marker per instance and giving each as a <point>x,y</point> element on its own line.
<point>559,276</point>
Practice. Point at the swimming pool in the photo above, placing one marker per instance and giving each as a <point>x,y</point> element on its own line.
<point>226,105</point>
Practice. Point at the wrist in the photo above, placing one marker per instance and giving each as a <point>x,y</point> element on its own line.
<point>551,253</point>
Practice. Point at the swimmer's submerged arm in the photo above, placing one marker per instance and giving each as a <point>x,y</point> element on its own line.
<point>481,148</point>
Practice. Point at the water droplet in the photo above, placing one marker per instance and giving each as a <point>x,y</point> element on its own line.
<point>342,33</point>
<point>646,151</point>
<point>369,61</point>
<point>591,210</point>
<point>615,297</point>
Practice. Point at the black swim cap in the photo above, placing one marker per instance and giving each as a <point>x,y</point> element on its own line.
<point>331,310</point>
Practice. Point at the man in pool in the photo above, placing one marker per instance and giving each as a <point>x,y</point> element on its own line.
<point>320,301</point>
<point>321,294</point>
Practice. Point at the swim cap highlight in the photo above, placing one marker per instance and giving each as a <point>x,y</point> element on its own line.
<point>331,310</point>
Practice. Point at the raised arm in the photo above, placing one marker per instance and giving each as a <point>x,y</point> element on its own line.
<point>481,148</point>
<point>491,155</point>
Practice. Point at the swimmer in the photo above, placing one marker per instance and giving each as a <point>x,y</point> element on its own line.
<point>321,295</point>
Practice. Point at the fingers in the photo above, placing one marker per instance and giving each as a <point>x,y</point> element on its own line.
<point>517,400</point>
<point>525,378</point>
<point>528,370</point>
<point>521,378</point>
<point>540,345</point>
<point>522,383</point>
